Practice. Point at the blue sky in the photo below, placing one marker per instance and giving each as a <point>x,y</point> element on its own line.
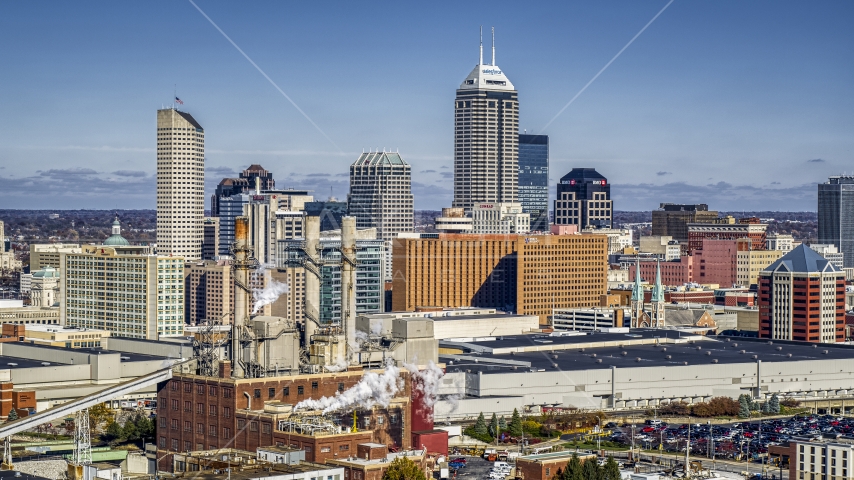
<point>742,105</point>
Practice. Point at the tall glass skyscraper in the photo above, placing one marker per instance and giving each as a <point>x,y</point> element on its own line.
<point>836,215</point>
<point>486,136</point>
<point>534,179</point>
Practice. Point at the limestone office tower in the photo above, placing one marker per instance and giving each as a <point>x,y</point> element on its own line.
<point>180,184</point>
<point>486,137</point>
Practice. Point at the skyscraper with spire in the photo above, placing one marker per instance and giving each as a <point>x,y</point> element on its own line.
<point>486,137</point>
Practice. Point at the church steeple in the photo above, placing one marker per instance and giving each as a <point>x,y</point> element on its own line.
<point>657,299</point>
<point>637,297</point>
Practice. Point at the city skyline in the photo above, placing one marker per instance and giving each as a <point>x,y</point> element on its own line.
<point>713,103</point>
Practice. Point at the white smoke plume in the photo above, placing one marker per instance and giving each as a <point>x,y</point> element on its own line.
<point>426,382</point>
<point>271,292</point>
<point>268,294</point>
<point>373,389</point>
<point>339,366</point>
<point>377,328</point>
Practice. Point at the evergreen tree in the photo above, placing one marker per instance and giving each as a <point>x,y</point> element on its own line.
<point>402,468</point>
<point>744,406</point>
<point>774,404</point>
<point>13,415</point>
<point>515,426</point>
<point>502,424</point>
<point>590,469</point>
<point>573,469</point>
<point>764,408</point>
<point>558,475</point>
<point>480,425</point>
<point>611,471</point>
<point>113,432</point>
<point>493,425</point>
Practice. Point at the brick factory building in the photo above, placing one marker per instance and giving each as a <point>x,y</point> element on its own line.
<point>525,274</point>
<point>207,413</point>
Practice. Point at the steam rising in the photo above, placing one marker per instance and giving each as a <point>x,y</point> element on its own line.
<point>426,383</point>
<point>373,389</point>
<point>270,293</point>
<point>339,366</point>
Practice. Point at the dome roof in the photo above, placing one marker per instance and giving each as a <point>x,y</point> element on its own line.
<point>116,240</point>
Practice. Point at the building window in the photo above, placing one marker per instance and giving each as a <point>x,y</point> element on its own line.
<point>340,386</point>
<point>188,388</point>
<point>392,418</point>
<point>174,404</point>
<point>226,412</point>
<point>265,428</point>
<point>226,432</point>
<point>174,444</point>
<point>257,393</point>
<point>162,442</point>
<point>187,446</point>
<point>162,422</point>
<point>200,408</point>
<point>188,406</point>
<point>226,393</point>
<point>174,424</point>
<point>200,389</point>
<point>271,392</point>
<point>344,448</point>
<point>212,431</point>
<point>188,427</point>
<point>200,428</point>
<point>213,390</point>
<point>212,410</point>
<point>300,390</point>
<point>253,426</point>
<point>286,391</point>
<point>241,423</point>
<point>325,449</point>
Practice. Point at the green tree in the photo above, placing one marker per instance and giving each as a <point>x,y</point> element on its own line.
<point>774,404</point>
<point>13,415</point>
<point>129,431</point>
<point>480,427</point>
<point>764,408</point>
<point>611,471</point>
<point>744,406</point>
<point>515,426</point>
<point>113,432</point>
<point>402,468</point>
<point>493,425</point>
<point>573,469</point>
<point>590,469</point>
<point>558,474</point>
<point>502,424</point>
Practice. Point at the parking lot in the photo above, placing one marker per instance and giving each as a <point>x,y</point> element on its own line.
<point>476,468</point>
<point>734,440</point>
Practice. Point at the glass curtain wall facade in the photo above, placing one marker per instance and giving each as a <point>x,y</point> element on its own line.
<point>534,179</point>
<point>836,215</point>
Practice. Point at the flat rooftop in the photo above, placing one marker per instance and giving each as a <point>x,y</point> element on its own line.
<point>276,470</point>
<point>703,351</point>
<point>9,363</point>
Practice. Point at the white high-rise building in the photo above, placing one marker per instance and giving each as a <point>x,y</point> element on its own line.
<point>381,197</point>
<point>180,184</point>
<point>486,138</point>
<point>500,218</point>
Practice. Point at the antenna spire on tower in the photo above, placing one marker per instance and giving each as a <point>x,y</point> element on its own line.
<point>493,46</point>
<point>481,45</point>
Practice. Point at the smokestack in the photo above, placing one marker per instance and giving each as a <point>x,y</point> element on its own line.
<point>312,279</point>
<point>348,282</point>
<point>242,264</point>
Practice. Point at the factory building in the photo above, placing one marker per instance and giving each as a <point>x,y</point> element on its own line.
<point>641,368</point>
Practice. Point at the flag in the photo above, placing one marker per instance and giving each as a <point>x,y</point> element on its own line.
<point>178,101</point>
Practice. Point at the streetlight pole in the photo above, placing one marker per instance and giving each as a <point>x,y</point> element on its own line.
<point>633,441</point>
<point>599,438</point>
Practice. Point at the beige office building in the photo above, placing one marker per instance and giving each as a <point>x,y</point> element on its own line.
<point>68,337</point>
<point>48,255</point>
<point>180,184</point>
<point>138,296</point>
